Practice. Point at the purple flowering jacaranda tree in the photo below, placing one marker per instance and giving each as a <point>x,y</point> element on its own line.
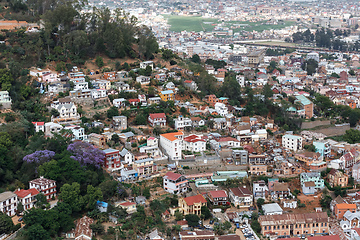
<point>39,157</point>
<point>86,154</point>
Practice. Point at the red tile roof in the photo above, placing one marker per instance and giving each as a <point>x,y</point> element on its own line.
<point>23,193</point>
<point>240,191</point>
<point>126,204</point>
<point>227,139</point>
<point>172,176</point>
<point>218,194</point>
<point>38,123</point>
<point>157,115</point>
<point>195,199</point>
<point>193,138</point>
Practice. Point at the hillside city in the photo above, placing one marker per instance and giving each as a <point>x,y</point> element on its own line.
<point>189,120</point>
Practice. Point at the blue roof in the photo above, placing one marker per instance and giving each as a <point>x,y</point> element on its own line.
<point>304,100</point>
<point>167,92</point>
<point>102,204</point>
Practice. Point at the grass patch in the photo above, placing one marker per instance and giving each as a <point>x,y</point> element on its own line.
<point>189,23</point>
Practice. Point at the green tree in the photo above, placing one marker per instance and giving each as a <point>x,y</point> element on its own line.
<point>196,59</point>
<point>99,61</point>
<point>192,219</point>
<point>6,224</point>
<point>93,195</point>
<point>260,202</point>
<point>36,232</point>
<point>140,119</point>
<point>205,212</point>
<point>147,43</point>
<point>115,138</point>
<point>178,215</point>
<point>70,194</point>
<point>41,201</point>
<point>266,91</point>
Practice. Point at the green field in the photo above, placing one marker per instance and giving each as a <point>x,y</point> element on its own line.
<point>181,23</point>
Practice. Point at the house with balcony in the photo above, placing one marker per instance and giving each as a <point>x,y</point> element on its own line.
<point>337,178</point>
<point>8,203</point>
<point>175,183</point>
<point>44,186</point>
<point>260,190</point>
<point>145,166</point>
<point>192,205</point>
<point>280,190</point>
<point>258,169</point>
<point>119,102</point>
<point>5,100</point>
<point>182,122</point>
<point>167,95</point>
<point>241,196</point>
<point>143,80</point>
<point>112,160</point>
<point>126,157</point>
<point>27,197</point>
<point>218,197</point>
<point>157,119</point>
<point>194,143</point>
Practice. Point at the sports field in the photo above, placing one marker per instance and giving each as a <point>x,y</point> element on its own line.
<point>189,23</point>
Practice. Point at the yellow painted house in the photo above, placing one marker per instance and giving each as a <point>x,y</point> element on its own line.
<point>167,95</point>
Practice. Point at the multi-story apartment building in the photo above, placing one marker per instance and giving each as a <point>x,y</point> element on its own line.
<point>259,159</point>
<point>44,186</point>
<point>337,178</point>
<point>172,144</point>
<point>292,142</point>
<point>145,166</point>
<point>182,122</point>
<point>175,183</point>
<point>8,203</point>
<point>101,84</point>
<point>260,190</point>
<point>112,160</point>
<point>312,177</point>
<point>157,119</point>
<point>192,205</point>
<point>307,107</point>
<point>240,157</point>
<point>27,197</point>
<point>294,224</point>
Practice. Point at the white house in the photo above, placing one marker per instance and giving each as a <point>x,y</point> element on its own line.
<point>157,119</point>
<point>119,102</point>
<point>126,156</point>
<point>77,131</point>
<point>292,142</point>
<point>27,197</point>
<point>143,65</point>
<point>182,122</point>
<point>221,109</point>
<point>39,126</point>
<point>98,93</point>
<point>241,80</point>
<point>81,86</point>
<point>171,143</point>
<point>8,203</point>
<point>143,80</point>
<point>194,143</point>
<point>67,111</point>
<point>175,183</point>
<point>51,127</point>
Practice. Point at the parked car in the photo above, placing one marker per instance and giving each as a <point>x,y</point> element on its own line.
<point>20,219</point>
<point>211,221</point>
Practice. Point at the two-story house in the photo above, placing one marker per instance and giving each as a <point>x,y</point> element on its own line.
<point>182,122</point>
<point>167,95</point>
<point>194,143</point>
<point>157,119</point>
<point>260,190</point>
<point>192,205</point>
<point>241,196</point>
<point>119,123</point>
<point>218,197</point>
